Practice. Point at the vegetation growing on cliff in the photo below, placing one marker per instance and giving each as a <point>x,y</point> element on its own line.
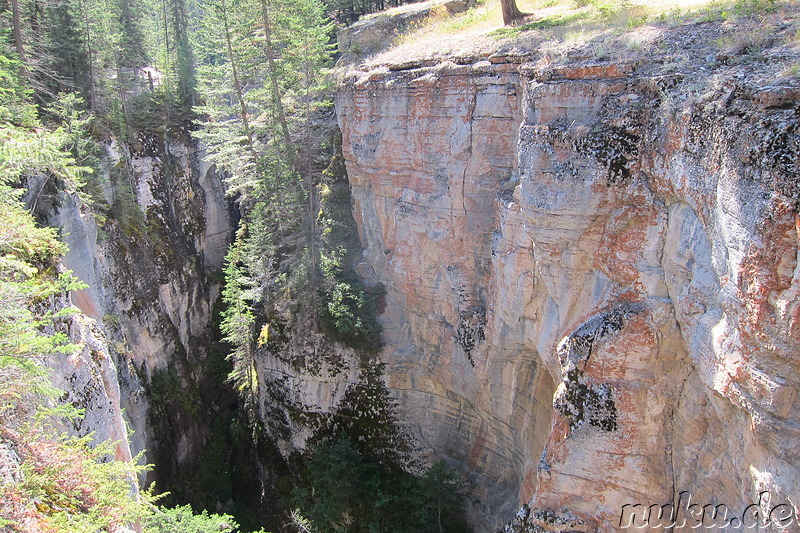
<point>50,481</point>
<point>349,491</point>
<point>28,254</point>
<point>264,123</point>
<point>267,125</point>
<point>355,475</point>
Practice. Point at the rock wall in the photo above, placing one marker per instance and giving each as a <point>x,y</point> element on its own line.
<point>90,381</point>
<point>591,273</point>
<point>428,153</point>
<point>148,265</point>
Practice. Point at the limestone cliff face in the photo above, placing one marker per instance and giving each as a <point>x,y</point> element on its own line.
<point>90,381</point>
<point>591,273</point>
<point>149,299</point>
<point>428,152</point>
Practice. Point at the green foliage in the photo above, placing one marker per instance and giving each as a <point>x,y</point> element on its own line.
<point>608,7</point>
<point>367,415</point>
<point>290,267</point>
<point>167,390</point>
<point>241,126</point>
<point>744,8</point>
<point>213,481</point>
<point>132,48</point>
<point>354,477</point>
<point>24,288</point>
<point>348,11</point>
<point>350,308</point>
<point>15,107</point>
<point>60,153</point>
<point>102,35</point>
<point>342,488</point>
<point>75,122</point>
<point>22,242</point>
<point>146,114</point>
<point>183,520</point>
<point>98,48</point>
<point>125,209</point>
<point>719,10</point>
<point>475,14</point>
<point>65,55</point>
<point>71,486</point>
<point>23,152</point>
<point>27,256</point>
<point>347,491</point>
<point>65,484</point>
<point>551,21</point>
<point>238,319</point>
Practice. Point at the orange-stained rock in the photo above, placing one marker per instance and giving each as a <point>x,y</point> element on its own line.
<point>592,280</point>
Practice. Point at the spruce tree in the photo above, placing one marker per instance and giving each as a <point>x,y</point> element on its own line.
<point>257,129</point>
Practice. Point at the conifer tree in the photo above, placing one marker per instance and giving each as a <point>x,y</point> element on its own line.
<point>56,483</point>
<point>258,115</point>
<point>184,54</point>
<point>19,44</point>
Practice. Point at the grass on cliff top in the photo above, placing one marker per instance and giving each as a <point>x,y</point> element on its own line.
<point>561,24</point>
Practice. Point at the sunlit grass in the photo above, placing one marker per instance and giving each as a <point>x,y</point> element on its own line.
<point>551,21</point>
<point>481,27</point>
<point>476,16</point>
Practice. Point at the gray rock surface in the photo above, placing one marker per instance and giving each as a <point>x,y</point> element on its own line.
<point>629,233</point>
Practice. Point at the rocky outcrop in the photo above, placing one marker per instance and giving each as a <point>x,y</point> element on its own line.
<point>428,153</point>
<point>89,380</point>
<point>148,265</point>
<point>591,273</point>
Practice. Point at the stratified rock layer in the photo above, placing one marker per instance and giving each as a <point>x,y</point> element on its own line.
<point>428,153</point>
<point>592,278</point>
<point>149,297</point>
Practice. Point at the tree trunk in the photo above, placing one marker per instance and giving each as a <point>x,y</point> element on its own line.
<point>16,21</point>
<point>238,86</point>
<point>89,58</point>
<point>183,53</point>
<point>312,209</point>
<point>273,76</point>
<point>510,11</point>
<point>165,78</point>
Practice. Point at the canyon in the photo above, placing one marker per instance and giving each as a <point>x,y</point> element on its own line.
<point>146,311</point>
<point>592,291</point>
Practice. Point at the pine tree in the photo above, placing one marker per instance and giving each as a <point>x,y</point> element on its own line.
<point>64,484</point>
<point>511,12</point>
<point>257,129</point>
<point>184,54</point>
<point>19,44</point>
<point>225,129</point>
